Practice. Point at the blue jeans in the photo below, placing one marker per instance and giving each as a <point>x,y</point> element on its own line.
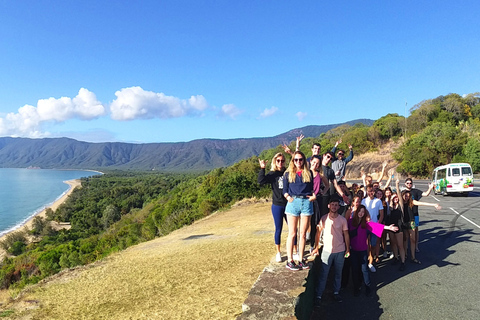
<point>278,213</point>
<point>329,259</point>
<point>359,267</point>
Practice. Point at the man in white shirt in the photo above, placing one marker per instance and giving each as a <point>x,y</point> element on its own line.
<point>375,209</point>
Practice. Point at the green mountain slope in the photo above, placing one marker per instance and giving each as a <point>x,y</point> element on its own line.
<point>196,155</point>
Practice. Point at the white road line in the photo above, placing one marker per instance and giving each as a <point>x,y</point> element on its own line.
<point>476,225</point>
<point>435,198</point>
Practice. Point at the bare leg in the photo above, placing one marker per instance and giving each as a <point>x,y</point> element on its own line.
<point>416,238</point>
<point>370,249</point>
<point>304,223</point>
<point>401,249</point>
<point>412,243</point>
<point>393,243</point>
<point>292,232</point>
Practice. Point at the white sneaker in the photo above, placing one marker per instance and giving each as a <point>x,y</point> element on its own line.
<point>296,257</point>
<point>372,268</point>
<point>278,257</point>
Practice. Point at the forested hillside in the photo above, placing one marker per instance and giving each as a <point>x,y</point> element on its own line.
<point>119,209</point>
<point>193,156</point>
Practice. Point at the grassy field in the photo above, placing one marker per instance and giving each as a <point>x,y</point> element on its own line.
<point>202,271</point>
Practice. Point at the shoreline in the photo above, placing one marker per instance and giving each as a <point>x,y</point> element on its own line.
<point>42,213</point>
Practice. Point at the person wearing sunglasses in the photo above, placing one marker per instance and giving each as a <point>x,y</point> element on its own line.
<point>416,195</point>
<point>339,163</point>
<point>298,190</point>
<point>334,186</point>
<point>275,179</point>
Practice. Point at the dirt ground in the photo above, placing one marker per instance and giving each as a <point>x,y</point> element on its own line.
<point>202,271</point>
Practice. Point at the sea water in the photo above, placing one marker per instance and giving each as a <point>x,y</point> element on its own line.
<point>26,192</point>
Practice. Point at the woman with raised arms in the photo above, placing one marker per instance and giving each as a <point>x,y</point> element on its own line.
<point>275,179</point>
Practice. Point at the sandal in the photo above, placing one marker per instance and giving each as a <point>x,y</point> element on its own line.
<point>416,261</point>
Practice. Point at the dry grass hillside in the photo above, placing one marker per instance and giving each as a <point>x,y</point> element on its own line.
<point>202,271</point>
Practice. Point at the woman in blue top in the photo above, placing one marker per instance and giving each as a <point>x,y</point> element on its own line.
<point>298,190</point>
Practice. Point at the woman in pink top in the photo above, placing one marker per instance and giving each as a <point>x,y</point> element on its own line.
<point>358,226</point>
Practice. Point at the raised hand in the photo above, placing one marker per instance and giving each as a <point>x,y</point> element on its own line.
<point>262,163</point>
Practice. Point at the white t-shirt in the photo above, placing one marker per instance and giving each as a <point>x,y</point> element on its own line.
<point>373,206</point>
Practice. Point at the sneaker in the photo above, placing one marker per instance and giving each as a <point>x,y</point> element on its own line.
<point>292,266</point>
<point>392,255</point>
<point>372,268</point>
<point>278,257</point>
<point>318,302</point>
<point>385,254</point>
<point>303,265</point>
<point>296,257</point>
<point>402,266</point>
<point>337,297</point>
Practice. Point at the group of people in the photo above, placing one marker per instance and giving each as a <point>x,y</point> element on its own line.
<point>342,223</point>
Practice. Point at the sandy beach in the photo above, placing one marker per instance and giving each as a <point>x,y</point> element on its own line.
<point>72,183</point>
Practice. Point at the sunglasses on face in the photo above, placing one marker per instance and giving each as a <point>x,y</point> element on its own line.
<point>298,159</point>
<point>340,154</point>
<point>328,157</point>
<point>280,160</point>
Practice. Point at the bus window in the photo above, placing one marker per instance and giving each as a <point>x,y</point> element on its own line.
<point>466,171</point>
<point>441,174</point>
<point>455,172</point>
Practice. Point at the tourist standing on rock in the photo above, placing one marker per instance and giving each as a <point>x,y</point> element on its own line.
<point>275,179</point>
<point>330,174</point>
<point>336,247</point>
<point>298,190</point>
<point>320,185</point>
<point>316,149</point>
<point>339,164</point>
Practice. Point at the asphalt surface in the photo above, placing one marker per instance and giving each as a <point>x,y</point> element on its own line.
<point>445,284</point>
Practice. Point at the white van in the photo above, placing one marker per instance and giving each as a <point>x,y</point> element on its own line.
<point>453,178</point>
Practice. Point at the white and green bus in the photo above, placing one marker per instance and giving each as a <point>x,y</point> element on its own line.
<point>453,178</point>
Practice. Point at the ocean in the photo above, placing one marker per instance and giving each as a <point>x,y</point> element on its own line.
<point>26,192</point>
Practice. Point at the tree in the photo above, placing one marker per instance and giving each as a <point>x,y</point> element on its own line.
<point>437,144</point>
<point>110,215</point>
<point>472,153</point>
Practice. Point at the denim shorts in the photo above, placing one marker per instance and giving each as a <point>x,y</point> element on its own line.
<point>299,206</point>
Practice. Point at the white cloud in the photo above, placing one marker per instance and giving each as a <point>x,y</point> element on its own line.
<point>301,115</point>
<point>230,110</point>
<point>268,112</point>
<point>135,103</point>
<point>29,119</point>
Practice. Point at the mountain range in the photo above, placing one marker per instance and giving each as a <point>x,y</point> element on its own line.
<point>195,155</point>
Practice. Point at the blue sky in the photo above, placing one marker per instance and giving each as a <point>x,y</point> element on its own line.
<point>167,71</point>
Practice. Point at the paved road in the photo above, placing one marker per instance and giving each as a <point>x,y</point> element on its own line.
<point>444,286</point>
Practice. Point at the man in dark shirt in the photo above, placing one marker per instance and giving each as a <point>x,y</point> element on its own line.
<point>416,194</point>
<point>330,174</point>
